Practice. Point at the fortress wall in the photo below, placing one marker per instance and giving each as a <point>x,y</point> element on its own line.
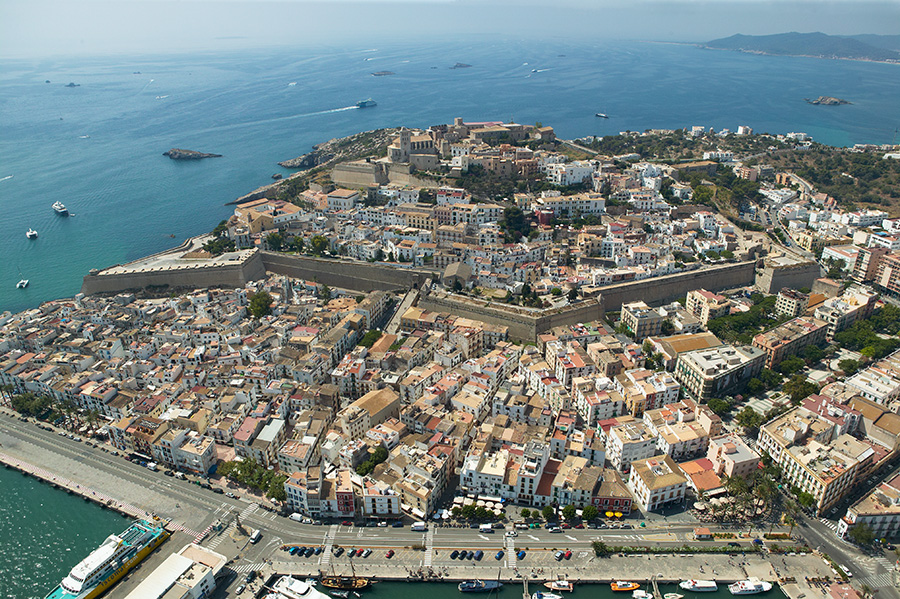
<point>229,275</point>
<point>672,287</point>
<point>360,276</point>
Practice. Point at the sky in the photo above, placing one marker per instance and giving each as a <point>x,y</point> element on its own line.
<point>47,28</point>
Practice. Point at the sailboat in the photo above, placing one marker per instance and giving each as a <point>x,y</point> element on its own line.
<point>346,583</point>
<point>23,282</point>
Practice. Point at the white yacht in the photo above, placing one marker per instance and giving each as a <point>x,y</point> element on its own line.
<point>22,284</point>
<point>31,234</point>
<point>291,588</point>
<point>699,586</point>
<point>60,208</point>
<point>751,586</point>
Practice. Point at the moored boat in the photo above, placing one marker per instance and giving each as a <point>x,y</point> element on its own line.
<point>291,588</point>
<point>104,566</point>
<point>699,586</point>
<point>341,594</point>
<point>673,596</point>
<point>751,586</point>
<point>60,208</point>
<point>560,585</point>
<point>479,586</point>
<point>31,234</point>
<point>346,583</point>
<point>22,284</point>
<point>641,594</point>
<point>542,595</point>
<point>621,585</point>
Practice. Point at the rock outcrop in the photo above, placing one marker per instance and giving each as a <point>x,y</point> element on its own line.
<point>343,148</point>
<point>179,154</point>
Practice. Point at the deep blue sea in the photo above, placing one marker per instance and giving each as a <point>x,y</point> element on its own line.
<point>98,147</point>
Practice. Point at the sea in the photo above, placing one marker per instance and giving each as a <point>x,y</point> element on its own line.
<point>44,532</point>
<point>98,147</point>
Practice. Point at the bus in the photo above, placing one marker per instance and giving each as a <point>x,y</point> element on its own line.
<point>255,537</point>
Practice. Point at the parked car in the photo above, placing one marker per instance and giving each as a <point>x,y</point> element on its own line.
<point>389,554</point>
<point>397,524</point>
<point>346,523</point>
<point>454,554</point>
<point>218,490</point>
<point>319,550</point>
<point>579,526</point>
<point>733,544</point>
<point>479,554</point>
<point>520,555</point>
<point>337,551</point>
<point>382,525</point>
<point>559,555</point>
<point>511,533</point>
<point>367,553</point>
<point>499,556</point>
<point>470,555</point>
<point>568,554</point>
<point>566,526</point>
<point>240,589</point>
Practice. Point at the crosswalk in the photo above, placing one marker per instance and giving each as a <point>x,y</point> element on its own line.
<point>511,551</point>
<point>879,581</point>
<point>830,524</point>
<point>247,567</point>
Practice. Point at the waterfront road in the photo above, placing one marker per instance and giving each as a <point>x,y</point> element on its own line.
<point>195,509</point>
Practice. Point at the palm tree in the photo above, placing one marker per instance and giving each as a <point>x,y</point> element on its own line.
<point>789,520</point>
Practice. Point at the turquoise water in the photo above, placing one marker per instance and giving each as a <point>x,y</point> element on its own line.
<point>43,533</point>
<point>129,199</point>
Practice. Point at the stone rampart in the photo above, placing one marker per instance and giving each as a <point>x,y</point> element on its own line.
<point>359,276</point>
<point>196,275</point>
<point>672,287</point>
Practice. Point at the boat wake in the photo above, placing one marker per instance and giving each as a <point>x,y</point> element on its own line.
<point>6,177</point>
<point>278,119</point>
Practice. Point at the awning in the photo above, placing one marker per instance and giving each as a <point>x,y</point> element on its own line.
<point>619,514</point>
<point>609,514</point>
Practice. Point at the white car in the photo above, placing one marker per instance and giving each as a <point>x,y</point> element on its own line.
<point>511,533</point>
<point>382,524</point>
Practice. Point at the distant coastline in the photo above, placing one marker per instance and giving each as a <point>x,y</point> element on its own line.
<point>813,45</point>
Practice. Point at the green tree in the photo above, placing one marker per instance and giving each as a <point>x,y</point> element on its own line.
<point>770,378</point>
<point>276,488</point>
<point>755,386</point>
<point>297,243</point>
<point>719,406</point>
<point>325,293</point>
<point>799,388</point>
<point>791,364</point>
<point>275,241</point>
<point>221,229</point>
<point>318,244</point>
<point>589,512</point>
<point>481,512</point>
<point>548,512</point>
<point>526,513</point>
<point>848,366</point>
<point>806,499</point>
<point>569,512</point>
<point>813,353</point>
<point>600,549</point>
<point>468,512</point>
<point>370,338</point>
<point>260,304</point>
<point>556,291</point>
<point>572,295</point>
<point>861,534</point>
<point>749,418</point>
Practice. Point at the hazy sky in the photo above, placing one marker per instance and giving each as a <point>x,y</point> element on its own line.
<point>37,28</point>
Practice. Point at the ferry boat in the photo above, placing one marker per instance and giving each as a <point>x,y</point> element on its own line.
<point>540,595</point>
<point>479,586</point>
<point>31,234</point>
<point>109,562</point>
<point>560,585</point>
<point>751,586</point>
<point>291,588</point>
<point>366,103</point>
<point>622,585</point>
<point>699,586</point>
<point>60,208</point>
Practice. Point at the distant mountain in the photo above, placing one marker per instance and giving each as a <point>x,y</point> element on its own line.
<point>810,44</point>
<point>888,42</point>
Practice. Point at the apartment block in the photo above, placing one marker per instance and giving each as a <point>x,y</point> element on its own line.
<point>705,305</point>
<point>641,320</point>
<point>790,338</point>
<point>707,373</point>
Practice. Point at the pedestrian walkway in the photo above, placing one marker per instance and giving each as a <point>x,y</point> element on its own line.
<point>329,545</point>
<point>429,546</point>
<point>511,552</point>
<point>879,581</point>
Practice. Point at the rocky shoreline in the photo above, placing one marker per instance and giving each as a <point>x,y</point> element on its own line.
<point>179,154</point>
<point>826,101</point>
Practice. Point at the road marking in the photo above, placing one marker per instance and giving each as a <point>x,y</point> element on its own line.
<point>325,558</point>
<point>485,537</point>
<point>429,547</point>
<point>571,538</point>
<point>533,538</point>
